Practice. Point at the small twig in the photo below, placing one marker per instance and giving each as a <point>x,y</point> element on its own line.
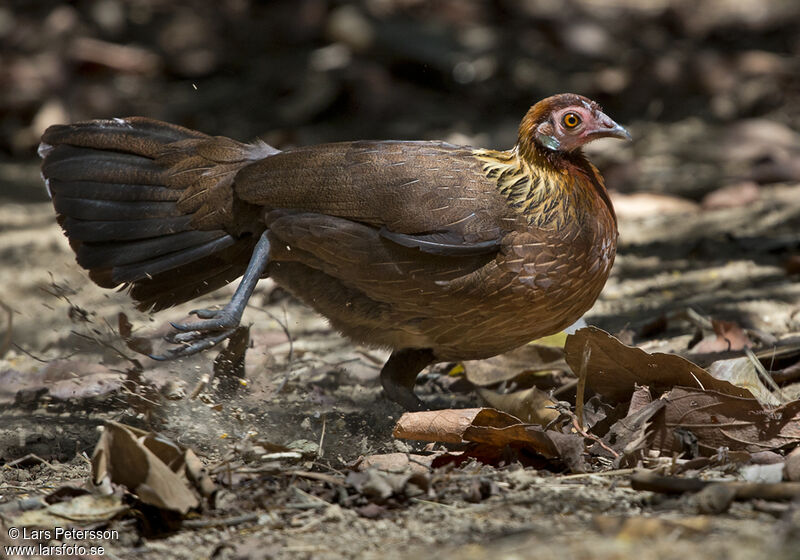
<point>5,486</point>
<point>310,525</point>
<point>432,503</point>
<point>787,375</point>
<point>227,522</point>
<point>322,477</point>
<point>581,389</point>
<point>648,480</point>
<point>321,438</point>
<point>301,505</point>
<point>5,344</point>
<point>129,393</point>
<point>284,325</point>
<point>23,504</point>
<point>695,318</point>
<point>104,344</point>
<point>280,455</point>
<point>32,457</point>
<point>37,358</point>
<point>592,437</point>
<point>765,376</point>
<point>374,359</point>
<point>599,473</point>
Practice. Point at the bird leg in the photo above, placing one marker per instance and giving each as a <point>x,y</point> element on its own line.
<point>400,372</point>
<point>217,325</point>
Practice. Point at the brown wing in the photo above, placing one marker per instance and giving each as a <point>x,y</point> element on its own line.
<point>372,289</point>
<point>411,188</point>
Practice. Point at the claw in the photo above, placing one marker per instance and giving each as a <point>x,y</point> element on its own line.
<point>217,325</point>
<point>193,338</point>
<point>205,313</point>
<point>184,337</point>
<point>200,345</point>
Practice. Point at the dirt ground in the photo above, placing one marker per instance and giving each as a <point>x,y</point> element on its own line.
<point>708,197</point>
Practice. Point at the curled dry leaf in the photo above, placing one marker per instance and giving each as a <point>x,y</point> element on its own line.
<point>529,405</point>
<point>138,344</point>
<point>614,369</point>
<point>722,420</point>
<point>78,511</point>
<point>628,436</point>
<point>742,373</point>
<point>518,435</point>
<point>492,428</point>
<point>531,360</point>
<point>449,425</point>
<point>148,465</point>
<point>641,397</point>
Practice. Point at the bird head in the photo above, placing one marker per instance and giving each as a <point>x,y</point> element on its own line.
<point>565,122</point>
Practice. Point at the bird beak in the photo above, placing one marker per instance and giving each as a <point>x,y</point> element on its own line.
<point>607,128</point>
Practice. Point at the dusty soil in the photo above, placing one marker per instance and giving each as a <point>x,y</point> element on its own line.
<point>330,386</point>
<point>727,257</point>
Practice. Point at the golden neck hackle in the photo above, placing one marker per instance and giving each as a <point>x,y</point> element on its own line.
<point>549,196</point>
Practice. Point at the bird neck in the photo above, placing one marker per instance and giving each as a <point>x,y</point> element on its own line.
<point>549,189</point>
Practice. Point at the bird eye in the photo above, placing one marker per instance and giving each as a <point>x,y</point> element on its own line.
<point>571,120</point>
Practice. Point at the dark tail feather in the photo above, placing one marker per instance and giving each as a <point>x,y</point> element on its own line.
<point>113,186</point>
<point>187,282</point>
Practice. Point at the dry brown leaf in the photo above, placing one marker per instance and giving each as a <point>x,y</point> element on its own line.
<point>149,466</point>
<point>614,369</point>
<point>525,361</point>
<point>495,430</point>
<point>449,425</point>
<point>529,405</point>
<point>641,397</point>
<point>729,336</point>
<point>719,420</point>
<point>629,435</point>
<point>138,344</point>
<point>742,373</point>
<point>518,435</point>
<point>198,475</point>
<point>61,379</point>
<point>79,511</point>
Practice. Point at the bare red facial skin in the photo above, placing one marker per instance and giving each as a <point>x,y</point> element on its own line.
<point>571,127</point>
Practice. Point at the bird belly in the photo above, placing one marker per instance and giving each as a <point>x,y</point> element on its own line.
<point>384,295</point>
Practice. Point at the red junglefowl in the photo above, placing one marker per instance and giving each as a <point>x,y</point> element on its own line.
<point>438,252</point>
